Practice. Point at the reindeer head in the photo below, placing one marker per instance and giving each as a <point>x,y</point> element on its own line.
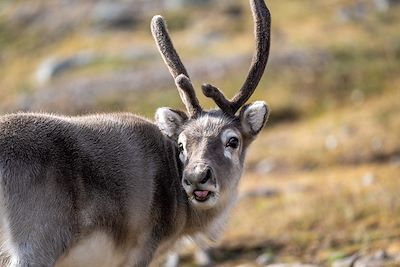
<point>212,144</point>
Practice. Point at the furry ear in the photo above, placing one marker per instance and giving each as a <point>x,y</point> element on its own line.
<point>170,121</point>
<point>253,117</point>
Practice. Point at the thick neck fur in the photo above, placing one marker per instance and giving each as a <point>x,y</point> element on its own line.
<point>187,219</point>
<point>209,222</point>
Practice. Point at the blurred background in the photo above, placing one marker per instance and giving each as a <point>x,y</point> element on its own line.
<point>323,179</point>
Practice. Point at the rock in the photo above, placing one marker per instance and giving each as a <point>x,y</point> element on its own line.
<point>379,259</point>
<point>52,66</point>
<point>265,258</point>
<point>385,5</point>
<point>382,5</point>
<point>346,262</point>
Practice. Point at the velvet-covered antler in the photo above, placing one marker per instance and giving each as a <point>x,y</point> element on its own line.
<point>175,66</point>
<point>262,32</point>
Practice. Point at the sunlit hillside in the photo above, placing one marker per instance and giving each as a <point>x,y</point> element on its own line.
<point>322,181</point>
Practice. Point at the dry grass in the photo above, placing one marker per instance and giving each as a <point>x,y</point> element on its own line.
<point>358,133</point>
<point>321,214</point>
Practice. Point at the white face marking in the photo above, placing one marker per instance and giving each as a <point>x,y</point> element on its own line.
<point>183,154</point>
<point>229,152</point>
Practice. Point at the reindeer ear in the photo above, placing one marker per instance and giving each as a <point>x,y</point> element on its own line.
<point>253,117</point>
<point>170,121</point>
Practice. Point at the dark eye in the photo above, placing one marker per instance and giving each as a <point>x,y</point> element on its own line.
<point>180,147</point>
<point>233,142</point>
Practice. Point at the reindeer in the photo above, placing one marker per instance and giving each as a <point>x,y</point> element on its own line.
<point>118,189</point>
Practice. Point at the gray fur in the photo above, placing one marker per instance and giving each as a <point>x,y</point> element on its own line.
<point>120,179</point>
<point>66,177</point>
<point>63,178</point>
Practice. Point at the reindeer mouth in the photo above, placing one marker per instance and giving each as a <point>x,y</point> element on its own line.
<point>202,195</point>
<point>203,199</point>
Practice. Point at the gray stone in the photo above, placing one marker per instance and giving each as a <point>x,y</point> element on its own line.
<point>52,66</point>
<point>265,258</point>
<point>385,5</point>
<point>346,262</point>
<point>378,259</point>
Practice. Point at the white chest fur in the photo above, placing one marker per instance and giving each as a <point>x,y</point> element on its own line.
<point>98,250</point>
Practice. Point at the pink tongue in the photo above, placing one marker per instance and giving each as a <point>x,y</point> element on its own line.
<point>201,194</point>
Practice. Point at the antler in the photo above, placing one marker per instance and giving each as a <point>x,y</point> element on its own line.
<point>175,66</point>
<point>262,32</point>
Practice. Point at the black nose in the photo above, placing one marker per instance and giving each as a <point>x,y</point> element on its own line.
<point>197,176</point>
<point>206,176</point>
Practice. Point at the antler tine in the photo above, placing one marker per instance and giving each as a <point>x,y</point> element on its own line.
<point>218,97</point>
<point>175,66</point>
<point>188,96</point>
<point>262,32</point>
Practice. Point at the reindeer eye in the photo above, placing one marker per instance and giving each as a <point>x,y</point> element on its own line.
<point>233,142</point>
<point>180,147</point>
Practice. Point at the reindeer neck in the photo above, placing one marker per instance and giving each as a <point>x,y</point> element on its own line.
<point>209,222</point>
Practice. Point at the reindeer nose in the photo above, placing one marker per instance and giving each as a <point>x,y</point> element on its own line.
<point>201,174</point>
<point>206,176</point>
